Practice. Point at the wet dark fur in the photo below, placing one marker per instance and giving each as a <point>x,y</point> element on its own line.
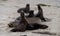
<point>40,13</point>
<point>34,26</point>
<point>21,25</point>
<point>26,9</point>
<point>31,12</point>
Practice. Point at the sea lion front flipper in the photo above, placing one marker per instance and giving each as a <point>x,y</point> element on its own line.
<point>46,20</point>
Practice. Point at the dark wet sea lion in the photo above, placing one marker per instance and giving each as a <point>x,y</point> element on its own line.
<point>23,25</point>
<point>30,26</point>
<point>31,12</point>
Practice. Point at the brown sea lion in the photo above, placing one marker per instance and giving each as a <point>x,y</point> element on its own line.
<point>23,25</point>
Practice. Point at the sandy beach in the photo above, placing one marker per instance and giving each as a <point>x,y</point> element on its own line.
<point>8,13</point>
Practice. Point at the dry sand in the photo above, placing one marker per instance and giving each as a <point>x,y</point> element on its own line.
<point>8,13</point>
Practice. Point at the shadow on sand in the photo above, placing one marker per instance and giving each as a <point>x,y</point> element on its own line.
<point>47,33</point>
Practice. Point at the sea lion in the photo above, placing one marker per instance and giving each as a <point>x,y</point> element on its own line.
<point>31,12</point>
<point>23,25</point>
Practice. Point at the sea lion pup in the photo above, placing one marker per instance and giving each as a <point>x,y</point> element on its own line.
<point>21,27</point>
<point>40,13</point>
<point>27,10</point>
